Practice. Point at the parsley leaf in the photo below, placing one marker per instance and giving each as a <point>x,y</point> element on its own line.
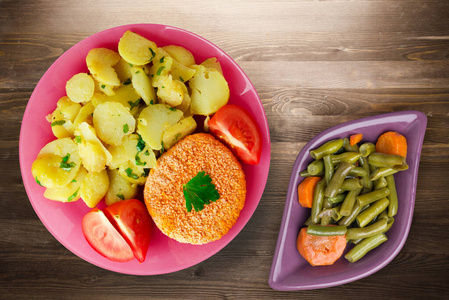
<point>133,104</point>
<point>199,191</point>
<point>120,196</point>
<point>158,72</point>
<point>73,196</point>
<point>130,173</point>
<point>65,165</point>
<point>128,81</point>
<point>38,182</point>
<point>59,122</point>
<point>125,128</point>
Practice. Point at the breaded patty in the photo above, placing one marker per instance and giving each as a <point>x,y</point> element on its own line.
<point>164,194</point>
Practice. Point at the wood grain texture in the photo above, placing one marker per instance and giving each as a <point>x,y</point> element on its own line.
<point>315,64</point>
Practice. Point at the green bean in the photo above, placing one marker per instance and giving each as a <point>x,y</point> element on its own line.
<point>337,199</point>
<point>366,182</point>
<point>348,203</point>
<point>315,167</point>
<point>366,149</point>
<point>362,248</point>
<point>326,204</point>
<point>326,230</point>
<point>339,176</point>
<point>358,172</point>
<point>355,242</point>
<point>380,183</point>
<point>373,196</point>
<point>390,222</point>
<point>361,233</point>
<point>348,147</point>
<point>347,220</point>
<point>351,184</point>
<point>317,202</point>
<point>386,160</point>
<point>308,221</point>
<point>382,172</point>
<point>393,197</point>
<point>329,147</point>
<point>333,213</point>
<point>349,157</point>
<point>305,173</point>
<point>371,212</point>
<point>328,168</point>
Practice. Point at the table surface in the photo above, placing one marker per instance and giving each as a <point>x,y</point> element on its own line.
<point>315,64</point>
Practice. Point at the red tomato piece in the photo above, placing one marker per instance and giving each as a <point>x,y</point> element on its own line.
<point>236,128</point>
<point>104,238</point>
<point>132,220</point>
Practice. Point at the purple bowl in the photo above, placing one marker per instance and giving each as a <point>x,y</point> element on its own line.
<point>289,270</point>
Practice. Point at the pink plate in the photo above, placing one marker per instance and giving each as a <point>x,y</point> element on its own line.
<point>63,220</point>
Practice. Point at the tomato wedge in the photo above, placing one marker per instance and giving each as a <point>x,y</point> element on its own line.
<point>236,128</point>
<point>104,238</point>
<point>132,220</point>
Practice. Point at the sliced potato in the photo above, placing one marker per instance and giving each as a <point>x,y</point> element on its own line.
<point>181,72</point>
<point>69,192</point>
<point>170,91</point>
<point>94,187</point>
<point>80,88</point>
<point>93,154</point>
<point>210,91</point>
<point>136,49</point>
<point>212,63</point>
<point>68,108</point>
<point>178,131</point>
<point>57,163</point>
<point>154,120</point>
<point>133,150</point>
<point>106,89</point>
<point>119,188</point>
<point>112,122</point>
<point>180,54</point>
<point>85,114</point>
<point>123,70</point>
<point>160,69</point>
<point>60,126</point>
<point>100,62</point>
<point>142,85</point>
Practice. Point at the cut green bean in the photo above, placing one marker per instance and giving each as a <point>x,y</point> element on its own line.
<point>333,213</point>
<point>315,167</point>
<point>366,149</point>
<point>386,160</point>
<point>361,233</point>
<point>305,173</point>
<point>358,172</point>
<point>347,220</point>
<point>348,147</point>
<point>351,184</point>
<point>326,204</point>
<point>373,196</point>
<point>366,182</point>
<point>326,230</point>
<point>355,242</point>
<point>337,199</point>
<point>362,248</point>
<point>317,202</point>
<point>337,180</point>
<point>349,157</point>
<point>329,147</point>
<point>366,216</point>
<point>380,183</point>
<point>348,203</point>
<point>382,172</point>
<point>393,197</point>
<point>328,168</point>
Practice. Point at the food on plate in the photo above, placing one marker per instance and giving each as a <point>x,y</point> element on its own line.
<point>235,127</point>
<point>165,198</point>
<point>352,194</point>
<point>392,143</point>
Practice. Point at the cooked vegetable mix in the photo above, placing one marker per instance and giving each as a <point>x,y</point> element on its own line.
<point>354,195</point>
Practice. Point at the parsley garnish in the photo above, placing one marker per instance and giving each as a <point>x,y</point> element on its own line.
<point>38,182</point>
<point>64,163</point>
<point>131,65</point>
<point>152,53</point>
<point>199,191</point>
<point>73,196</point>
<point>138,161</point>
<point>162,59</point>
<point>137,72</point>
<point>103,86</point>
<point>180,78</point>
<point>133,104</point>
<point>151,102</point>
<point>125,128</point>
<point>128,81</point>
<point>172,109</point>
<point>130,173</point>
<point>59,122</point>
<point>158,73</point>
<point>162,148</point>
<point>120,196</point>
<point>140,144</point>
<point>78,139</point>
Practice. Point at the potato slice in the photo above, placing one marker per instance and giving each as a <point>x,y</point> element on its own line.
<point>212,63</point>
<point>69,192</point>
<point>93,154</point>
<point>180,54</point>
<point>68,108</point>
<point>154,120</point>
<point>210,91</point>
<point>119,188</point>
<point>57,163</point>
<point>85,114</point>
<point>80,88</point>
<point>123,70</point>
<point>61,127</point>
<point>94,187</point>
<point>178,131</point>
<point>112,122</point>
<point>142,85</point>
<point>160,69</point>
<point>136,49</point>
<point>100,62</point>
<point>170,91</point>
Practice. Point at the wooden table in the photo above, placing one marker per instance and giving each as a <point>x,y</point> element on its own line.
<point>315,64</point>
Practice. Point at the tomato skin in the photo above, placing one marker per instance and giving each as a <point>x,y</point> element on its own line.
<point>237,128</point>
<point>104,238</point>
<point>132,220</point>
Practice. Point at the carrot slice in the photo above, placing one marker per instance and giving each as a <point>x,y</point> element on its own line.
<point>355,138</point>
<point>392,142</point>
<point>320,250</point>
<point>306,189</point>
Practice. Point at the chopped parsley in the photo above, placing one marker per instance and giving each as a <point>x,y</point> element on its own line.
<point>162,148</point>
<point>172,109</point>
<point>140,144</point>
<point>128,81</point>
<point>103,86</point>
<point>151,102</point>
<point>38,182</point>
<point>152,53</point>
<point>158,73</point>
<point>162,59</point>
<point>59,122</point>
<point>180,78</point>
<point>139,162</point>
<point>177,136</point>
<point>134,104</point>
<point>121,196</point>
<point>131,65</point>
<point>130,173</point>
<point>137,72</point>
<point>78,139</point>
<point>73,196</point>
<point>199,191</point>
<point>65,165</point>
<point>74,180</point>
<point>125,128</point>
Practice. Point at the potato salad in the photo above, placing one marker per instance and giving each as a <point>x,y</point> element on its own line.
<point>119,117</point>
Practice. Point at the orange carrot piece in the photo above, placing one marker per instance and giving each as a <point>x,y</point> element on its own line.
<point>320,250</point>
<point>392,142</point>
<point>306,189</point>
<point>355,138</point>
